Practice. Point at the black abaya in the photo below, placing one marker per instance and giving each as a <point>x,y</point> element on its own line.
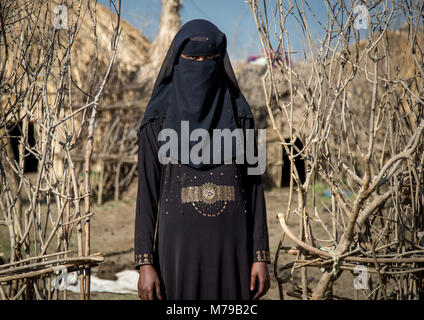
<point>211,224</point>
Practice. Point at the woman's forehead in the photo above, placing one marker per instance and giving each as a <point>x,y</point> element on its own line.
<point>199,38</point>
<point>202,47</point>
<point>200,25</point>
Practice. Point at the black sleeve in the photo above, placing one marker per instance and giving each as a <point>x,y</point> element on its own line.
<point>256,205</point>
<point>149,174</point>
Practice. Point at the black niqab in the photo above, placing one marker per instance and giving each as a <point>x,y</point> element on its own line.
<point>205,93</point>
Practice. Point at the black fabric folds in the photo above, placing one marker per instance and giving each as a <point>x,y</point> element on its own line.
<point>201,251</point>
<point>204,93</point>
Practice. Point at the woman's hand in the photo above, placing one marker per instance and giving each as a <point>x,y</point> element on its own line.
<point>148,282</point>
<point>259,273</point>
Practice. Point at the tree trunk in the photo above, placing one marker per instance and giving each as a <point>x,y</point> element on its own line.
<point>170,23</point>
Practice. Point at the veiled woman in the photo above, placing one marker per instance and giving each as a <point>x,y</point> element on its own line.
<point>200,228</point>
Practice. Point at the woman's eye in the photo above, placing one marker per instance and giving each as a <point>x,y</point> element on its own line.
<point>212,56</point>
<point>188,57</point>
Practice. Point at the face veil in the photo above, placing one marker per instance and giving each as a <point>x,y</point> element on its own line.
<point>203,93</point>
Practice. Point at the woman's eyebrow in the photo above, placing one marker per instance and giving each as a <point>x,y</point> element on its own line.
<point>208,57</point>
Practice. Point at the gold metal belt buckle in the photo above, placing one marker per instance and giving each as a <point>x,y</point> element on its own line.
<point>208,193</point>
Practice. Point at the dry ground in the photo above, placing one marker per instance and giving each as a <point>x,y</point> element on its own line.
<point>112,234</point>
<point>112,230</point>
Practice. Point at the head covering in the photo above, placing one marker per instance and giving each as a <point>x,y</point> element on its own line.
<point>204,93</point>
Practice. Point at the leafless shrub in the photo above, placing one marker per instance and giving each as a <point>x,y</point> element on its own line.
<point>41,211</point>
<point>361,105</point>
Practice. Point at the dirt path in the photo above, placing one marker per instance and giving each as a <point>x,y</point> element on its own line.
<point>113,224</point>
<point>112,234</point>
<point>112,230</point>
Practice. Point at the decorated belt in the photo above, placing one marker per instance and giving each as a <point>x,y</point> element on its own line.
<point>208,193</point>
